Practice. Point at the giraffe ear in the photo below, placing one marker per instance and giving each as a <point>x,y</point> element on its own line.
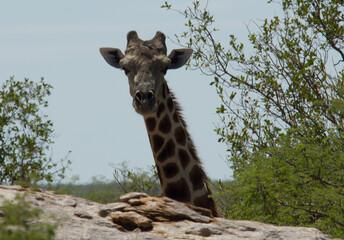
<point>112,56</point>
<point>179,57</point>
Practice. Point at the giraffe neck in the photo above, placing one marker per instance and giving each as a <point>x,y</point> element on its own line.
<point>180,172</point>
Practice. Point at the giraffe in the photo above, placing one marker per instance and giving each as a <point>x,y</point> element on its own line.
<point>179,168</point>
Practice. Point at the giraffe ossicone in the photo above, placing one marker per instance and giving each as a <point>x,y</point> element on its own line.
<point>179,168</point>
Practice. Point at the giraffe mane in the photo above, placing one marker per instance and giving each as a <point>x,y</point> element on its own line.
<point>192,148</point>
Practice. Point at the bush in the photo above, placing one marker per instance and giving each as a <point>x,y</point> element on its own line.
<point>26,134</point>
<point>294,183</point>
<point>20,222</point>
<point>281,112</point>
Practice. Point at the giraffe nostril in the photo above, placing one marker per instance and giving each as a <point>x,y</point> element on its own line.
<point>138,96</point>
<point>150,96</point>
<point>144,97</point>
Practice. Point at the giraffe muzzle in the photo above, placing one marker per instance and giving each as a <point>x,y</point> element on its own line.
<point>144,101</point>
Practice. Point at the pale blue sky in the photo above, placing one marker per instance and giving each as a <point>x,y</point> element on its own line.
<point>90,104</point>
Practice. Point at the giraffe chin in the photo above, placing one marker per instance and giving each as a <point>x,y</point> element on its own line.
<point>146,109</point>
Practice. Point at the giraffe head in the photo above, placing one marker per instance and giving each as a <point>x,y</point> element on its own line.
<point>145,63</point>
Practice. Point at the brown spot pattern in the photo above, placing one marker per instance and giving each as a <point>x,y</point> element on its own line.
<point>170,104</point>
<point>150,123</point>
<point>170,170</point>
<point>184,157</point>
<point>161,108</point>
<point>178,191</point>
<point>167,152</point>
<point>179,133</point>
<point>158,141</point>
<point>164,90</point>
<point>202,201</point>
<point>175,117</point>
<point>165,124</point>
<point>197,178</point>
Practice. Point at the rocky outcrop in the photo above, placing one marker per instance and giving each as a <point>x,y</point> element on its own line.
<point>140,216</point>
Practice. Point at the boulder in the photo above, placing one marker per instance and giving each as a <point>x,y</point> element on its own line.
<point>140,216</point>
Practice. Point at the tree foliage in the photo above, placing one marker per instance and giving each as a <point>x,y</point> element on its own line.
<point>26,134</point>
<point>282,111</point>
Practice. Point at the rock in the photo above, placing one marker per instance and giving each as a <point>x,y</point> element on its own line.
<point>155,207</point>
<point>126,197</point>
<point>82,214</point>
<point>140,216</point>
<point>112,207</point>
<point>39,198</point>
<point>69,202</point>
<point>205,230</point>
<point>131,220</point>
<point>135,202</point>
<point>12,187</point>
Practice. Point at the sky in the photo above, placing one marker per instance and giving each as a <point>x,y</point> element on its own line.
<point>90,104</point>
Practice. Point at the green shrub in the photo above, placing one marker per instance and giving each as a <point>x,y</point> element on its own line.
<point>281,112</point>
<point>26,134</point>
<point>297,183</point>
<point>20,222</point>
